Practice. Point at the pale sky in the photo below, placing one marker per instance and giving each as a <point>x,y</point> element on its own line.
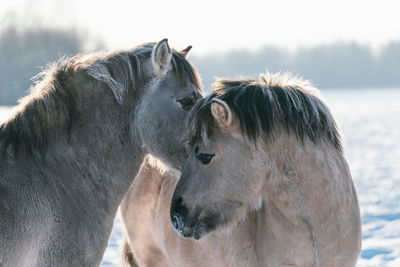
<point>213,25</point>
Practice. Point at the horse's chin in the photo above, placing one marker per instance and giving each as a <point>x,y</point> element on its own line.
<point>213,226</point>
<point>198,231</point>
<point>201,230</point>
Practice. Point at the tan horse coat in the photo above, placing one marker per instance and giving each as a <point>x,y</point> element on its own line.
<point>263,238</point>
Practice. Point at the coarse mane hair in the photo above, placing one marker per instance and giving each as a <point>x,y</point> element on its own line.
<point>51,106</point>
<point>264,104</point>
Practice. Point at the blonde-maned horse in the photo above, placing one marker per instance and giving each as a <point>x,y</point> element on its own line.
<point>266,184</point>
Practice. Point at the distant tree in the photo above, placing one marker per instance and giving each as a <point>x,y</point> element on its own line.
<point>388,67</point>
<point>336,65</point>
<point>240,63</point>
<point>24,52</point>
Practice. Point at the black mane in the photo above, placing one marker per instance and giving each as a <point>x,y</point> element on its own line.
<point>263,104</point>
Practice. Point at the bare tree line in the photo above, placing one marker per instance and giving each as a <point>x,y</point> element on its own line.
<point>336,65</point>
<point>24,52</point>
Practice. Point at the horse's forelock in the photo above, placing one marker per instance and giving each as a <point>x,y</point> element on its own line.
<point>185,72</point>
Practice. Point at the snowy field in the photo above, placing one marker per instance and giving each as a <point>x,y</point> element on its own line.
<point>370,124</point>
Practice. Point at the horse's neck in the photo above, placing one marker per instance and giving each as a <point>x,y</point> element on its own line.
<point>82,177</point>
<point>107,162</point>
<point>307,202</point>
<point>97,159</point>
<point>301,173</point>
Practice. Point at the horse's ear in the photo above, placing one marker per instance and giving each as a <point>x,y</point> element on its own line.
<point>221,113</point>
<point>161,57</point>
<point>185,52</point>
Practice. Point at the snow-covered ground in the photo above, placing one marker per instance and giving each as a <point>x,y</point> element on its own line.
<point>370,124</point>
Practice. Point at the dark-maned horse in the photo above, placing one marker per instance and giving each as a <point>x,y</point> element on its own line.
<point>266,184</point>
<point>72,148</point>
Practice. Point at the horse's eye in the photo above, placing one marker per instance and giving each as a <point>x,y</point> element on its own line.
<point>186,103</point>
<point>204,158</point>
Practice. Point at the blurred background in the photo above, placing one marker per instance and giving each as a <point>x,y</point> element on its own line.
<point>350,49</point>
<point>336,44</point>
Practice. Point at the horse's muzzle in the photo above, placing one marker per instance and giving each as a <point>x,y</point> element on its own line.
<point>187,226</point>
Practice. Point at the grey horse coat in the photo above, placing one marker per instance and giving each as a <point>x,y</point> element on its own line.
<point>72,148</point>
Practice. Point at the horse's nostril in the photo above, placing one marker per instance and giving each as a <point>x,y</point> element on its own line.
<point>176,201</point>
<point>178,213</point>
<point>177,222</point>
<point>177,207</point>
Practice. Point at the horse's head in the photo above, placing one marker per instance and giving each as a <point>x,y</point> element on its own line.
<point>170,92</point>
<point>155,86</point>
<point>241,136</point>
<point>221,179</point>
